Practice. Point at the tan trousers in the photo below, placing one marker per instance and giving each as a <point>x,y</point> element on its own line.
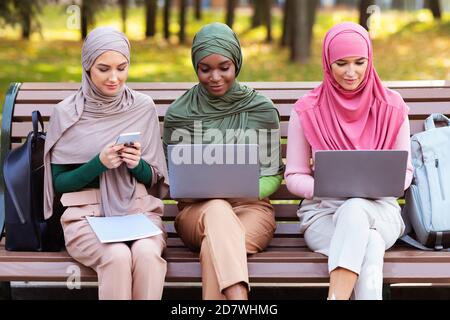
<point>132,270</point>
<point>224,231</point>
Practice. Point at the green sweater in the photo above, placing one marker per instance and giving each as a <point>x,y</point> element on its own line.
<point>268,185</point>
<point>74,177</point>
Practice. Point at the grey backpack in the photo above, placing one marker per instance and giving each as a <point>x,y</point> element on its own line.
<point>427,209</point>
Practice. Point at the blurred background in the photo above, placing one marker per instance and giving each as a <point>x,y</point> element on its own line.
<point>41,40</point>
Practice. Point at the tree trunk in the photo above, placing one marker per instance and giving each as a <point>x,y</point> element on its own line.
<point>398,4</point>
<point>25,17</point>
<point>167,5</point>
<point>84,19</point>
<point>350,3</point>
<point>287,22</point>
<point>198,10</point>
<point>88,10</point>
<point>182,33</point>
<point>150,18</point>
<point>258,13</point>
<point>435,8</point>
<point>22,11</point>
<point>231,7</point>
<point>301,29</point>
<point>363,14</point>
<point>123,14</point>
<point>268,19</point>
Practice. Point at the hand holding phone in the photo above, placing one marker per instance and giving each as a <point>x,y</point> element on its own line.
<point>128,138</point>
<point>131,155</point>
<point>109,156</point>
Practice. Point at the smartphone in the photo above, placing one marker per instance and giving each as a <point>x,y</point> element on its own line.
<point>128,138</point>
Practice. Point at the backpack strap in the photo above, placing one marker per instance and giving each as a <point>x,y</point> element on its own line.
<point>9,179</point>
<point>413,242</point>
<point>433,118</point>
<point>36,118</point>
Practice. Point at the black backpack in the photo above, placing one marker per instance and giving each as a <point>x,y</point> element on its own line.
<point>23,170</point>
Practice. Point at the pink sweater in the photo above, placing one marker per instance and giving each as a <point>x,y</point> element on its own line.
<point>298,172</point>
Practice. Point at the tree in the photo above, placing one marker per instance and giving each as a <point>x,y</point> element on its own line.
<point>150,18</point>
<point>287,21</point>
<point>363,12</point>
<point>166,22</point>
<point>123,14</point>
<point>182,33</point>
<point>267,5</point>
<point>398,4</point>
<point>350,3</point>
<point>231,7</point>
<point>6,12</point>
<point>88,10</point>
<point>258,13</point>
<point>198,9</point>
<point>435,7</point>
<point>262,15</point>
<point>23,13</point>
<point>301,23</point>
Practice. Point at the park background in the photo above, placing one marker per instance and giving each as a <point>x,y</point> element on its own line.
<point>281,41</point>
<point>41,40</point>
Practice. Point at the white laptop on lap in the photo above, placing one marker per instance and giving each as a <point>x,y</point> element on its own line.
<point>360,173</point>
<point>209,171</point>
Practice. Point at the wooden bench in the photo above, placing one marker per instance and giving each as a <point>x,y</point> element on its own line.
<point>287,259</point>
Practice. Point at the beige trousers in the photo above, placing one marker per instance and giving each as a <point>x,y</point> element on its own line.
<point>224,231</point>
<point>126,270</point>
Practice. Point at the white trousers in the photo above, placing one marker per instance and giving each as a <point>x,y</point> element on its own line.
<point>355,237</point>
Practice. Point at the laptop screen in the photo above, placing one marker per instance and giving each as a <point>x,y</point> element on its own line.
<point>213,170</point>
<point>360,173</point>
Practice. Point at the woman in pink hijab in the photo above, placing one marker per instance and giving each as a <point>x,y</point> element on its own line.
<point>350,110</point>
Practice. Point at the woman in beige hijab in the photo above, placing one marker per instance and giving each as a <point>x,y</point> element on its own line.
<point>92,176</point>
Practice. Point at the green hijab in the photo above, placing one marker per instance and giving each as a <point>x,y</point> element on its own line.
<point>240,108</point>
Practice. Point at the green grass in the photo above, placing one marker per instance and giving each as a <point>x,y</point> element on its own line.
<point>408,46</point>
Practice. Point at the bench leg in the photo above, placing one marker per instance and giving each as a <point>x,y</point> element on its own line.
<point>5,290</point>
<point>387,291</point>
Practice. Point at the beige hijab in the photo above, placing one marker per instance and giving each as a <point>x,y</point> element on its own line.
<point>84,123</point>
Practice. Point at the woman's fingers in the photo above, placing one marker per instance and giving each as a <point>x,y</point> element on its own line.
<point>129,156</point>
<point>131,163</point>
<point>132,151</point>
<point>137,145</point>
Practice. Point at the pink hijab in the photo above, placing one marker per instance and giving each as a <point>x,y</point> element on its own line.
<point>367,118</point>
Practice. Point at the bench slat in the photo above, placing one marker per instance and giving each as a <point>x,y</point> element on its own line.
<point>283,212</point>
<point>54,96</point>
<point>257,85</point>
<point>283,229</point>
<point>277,272</point>
<point>276,243</point>
<point>21,129</point>
<point>22,111</point>
<point>408,94</point>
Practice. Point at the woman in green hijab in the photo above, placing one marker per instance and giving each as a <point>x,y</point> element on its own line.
<point>225,230</point>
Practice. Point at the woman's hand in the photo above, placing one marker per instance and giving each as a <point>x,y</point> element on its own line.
<point>131,155</point>
<point>110,156</point>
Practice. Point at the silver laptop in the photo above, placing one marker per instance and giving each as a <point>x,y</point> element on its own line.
<point>360,173</point>
<point>207,171</point>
